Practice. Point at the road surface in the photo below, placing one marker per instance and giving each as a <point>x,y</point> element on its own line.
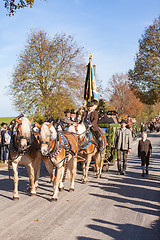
<point>113,207</point>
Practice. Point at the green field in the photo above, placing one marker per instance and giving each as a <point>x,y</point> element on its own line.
<point>6,119</point>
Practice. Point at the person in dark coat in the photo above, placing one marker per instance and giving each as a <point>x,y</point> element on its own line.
<point>5,141</point>
<point>104,119</point>
<point>144,152</point>
<point>92,118</point>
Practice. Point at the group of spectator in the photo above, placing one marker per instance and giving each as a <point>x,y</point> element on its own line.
<point>5,138</point>
<point>71,116</point>
<point>154,124</point>
<point>107,117</point>
<point>104,117</point>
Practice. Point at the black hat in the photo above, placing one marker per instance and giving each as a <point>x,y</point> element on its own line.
<point>114,112</point>
<point>90,104</point>
<point>109,113</point>
<point>123,121</point>
<point>67,111</point>
<point>102,111</point>
<point>3,123</point>
<point>72,111</point>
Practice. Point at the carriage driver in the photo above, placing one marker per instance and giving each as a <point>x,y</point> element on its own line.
<point>92,117</point>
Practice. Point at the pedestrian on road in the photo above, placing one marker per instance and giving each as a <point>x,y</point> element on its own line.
<point>144,152</point>
<point>5,141</point>
<point>123,144</point>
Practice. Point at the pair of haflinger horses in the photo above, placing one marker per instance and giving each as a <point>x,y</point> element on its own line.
<point>59,150</point>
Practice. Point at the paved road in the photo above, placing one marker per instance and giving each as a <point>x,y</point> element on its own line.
<point>114,207</point>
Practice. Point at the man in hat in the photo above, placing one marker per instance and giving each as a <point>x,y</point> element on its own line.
<point>67,118</point>
<point>109,115</point>
<point>73,115</point>
<point>92,118</point>
<point>104,118</point>
<point>123,144</point>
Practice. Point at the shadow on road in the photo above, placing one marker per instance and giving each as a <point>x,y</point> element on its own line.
<point>124,231</point>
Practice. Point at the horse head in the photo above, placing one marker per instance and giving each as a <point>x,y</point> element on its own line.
<point>47,136</point>
<point>79,129</point>
<point>22,133</point>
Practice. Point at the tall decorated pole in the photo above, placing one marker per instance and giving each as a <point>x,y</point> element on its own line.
<point>90,89</point>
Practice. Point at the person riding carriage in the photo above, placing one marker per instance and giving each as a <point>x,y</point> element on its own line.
<point>91,117</point>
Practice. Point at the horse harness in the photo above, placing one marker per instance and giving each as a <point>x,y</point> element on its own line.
<point>15,147</point>
<point>61,142</point>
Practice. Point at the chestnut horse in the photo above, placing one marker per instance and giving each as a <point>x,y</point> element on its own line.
<point>88,149</point>
<point>60,148</point>
<point>25,150</point>
<point>22,151</point>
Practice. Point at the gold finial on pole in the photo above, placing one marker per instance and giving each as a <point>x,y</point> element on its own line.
<point>90,56</point>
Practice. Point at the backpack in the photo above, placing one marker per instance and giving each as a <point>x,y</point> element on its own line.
<point>7,138</point>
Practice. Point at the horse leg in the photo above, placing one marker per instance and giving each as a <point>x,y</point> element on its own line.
<point>99,164</point>
<point>49,168</point>
<point>57,182</point>
<point>73,169</point>
<point>31,179</point>
<point>84,170</point>
<point>89,158</point>
<point>61,185</point>
<point>15,171</point>
<point>36,166</point>
<point>28,171</point>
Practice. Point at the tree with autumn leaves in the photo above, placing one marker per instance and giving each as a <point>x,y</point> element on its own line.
<point>49,76</point>
<point>122,97</point>
<point>145,76</point>
<point>13,5</point>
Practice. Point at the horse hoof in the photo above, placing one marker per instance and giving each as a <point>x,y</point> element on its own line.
<point>15,198</point>
<point>54,199</point>
<point>33,194</point>
<point>71,190</point>
<point>83,181</point>
<point>61,189</point>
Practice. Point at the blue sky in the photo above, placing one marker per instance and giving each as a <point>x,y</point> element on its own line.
<point>109,29</point>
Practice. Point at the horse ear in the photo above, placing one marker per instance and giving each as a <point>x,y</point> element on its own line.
<point>49,126</point>
<point>18,121</point>
<point>31,120</point>
<point>38,125</point>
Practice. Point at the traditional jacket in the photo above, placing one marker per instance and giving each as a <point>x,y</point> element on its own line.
<point>144,148</point>
<point>93,119</point>
<point>67,120</point>
<point>123,139</point>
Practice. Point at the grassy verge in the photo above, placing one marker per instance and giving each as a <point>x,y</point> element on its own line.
<point>6,119</point>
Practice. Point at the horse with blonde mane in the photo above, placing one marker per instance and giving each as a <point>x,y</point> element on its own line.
<point>59,148</point>
<point>88,149</point>
<point>24,150</point>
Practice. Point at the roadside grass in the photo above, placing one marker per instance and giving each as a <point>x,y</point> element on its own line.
<point>6,119</point>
